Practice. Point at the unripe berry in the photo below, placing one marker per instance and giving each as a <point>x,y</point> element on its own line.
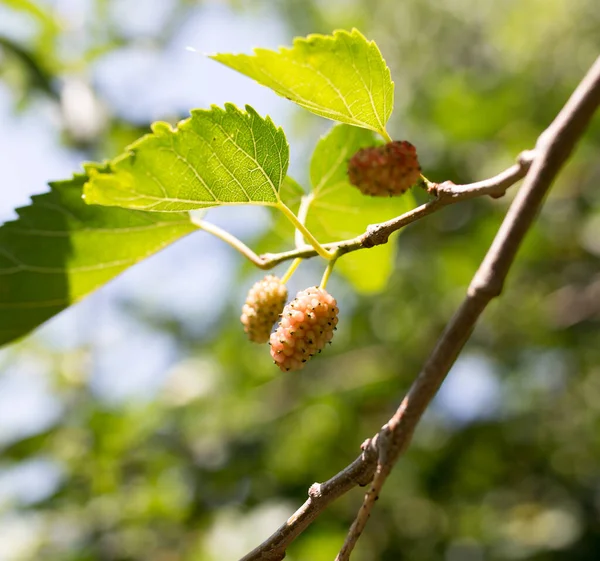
<point>263,305</point>
<point>388,170</point>
<point>307,325</point>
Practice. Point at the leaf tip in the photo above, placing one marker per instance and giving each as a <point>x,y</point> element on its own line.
<point>219,57</point>
<point>87,193</point>
<point>229,108</point>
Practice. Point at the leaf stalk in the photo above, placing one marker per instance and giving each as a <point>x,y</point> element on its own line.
<point>386,136</point>
<point>234,242</point>
<point>305,231</point>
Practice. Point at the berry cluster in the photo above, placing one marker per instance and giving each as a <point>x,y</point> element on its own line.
<point>387,170</point>
<point>308,322</point>
<point>307,325</point>
<point>263,305</point>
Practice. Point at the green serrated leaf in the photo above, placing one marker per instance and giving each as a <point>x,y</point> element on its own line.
<point>339,210</point>
<point>216,157</point>
<point>341,77</point>
<point>60,249</point>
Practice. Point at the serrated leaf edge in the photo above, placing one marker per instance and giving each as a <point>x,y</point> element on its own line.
<point>161,127</point>
<point>284,50</point>
<point>12,227</point>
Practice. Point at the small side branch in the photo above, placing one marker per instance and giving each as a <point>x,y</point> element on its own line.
<point>320,495</point>
<point>446,194</point>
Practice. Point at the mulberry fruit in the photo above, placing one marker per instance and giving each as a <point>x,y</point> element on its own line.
<point>306,326</point>
<point>263,305</point>
<point>387,170</point>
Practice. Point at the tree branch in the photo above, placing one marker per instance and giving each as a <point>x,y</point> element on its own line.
<point>552,150</point>
<point>380,453</point>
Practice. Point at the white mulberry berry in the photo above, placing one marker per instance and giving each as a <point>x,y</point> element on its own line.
<point>388,170</point>
<point>307,325</point>
<point>263,305</point>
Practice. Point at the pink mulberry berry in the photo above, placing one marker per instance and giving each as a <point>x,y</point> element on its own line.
<point>263,305</point>
<point>306,326</point>
<point>387,170</point>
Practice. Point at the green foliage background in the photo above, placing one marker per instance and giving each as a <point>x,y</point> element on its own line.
<point>229,447</point>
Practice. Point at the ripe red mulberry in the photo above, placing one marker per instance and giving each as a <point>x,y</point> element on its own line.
<point>263,305</point>
<point>388,170</point>
<point>307,325</point>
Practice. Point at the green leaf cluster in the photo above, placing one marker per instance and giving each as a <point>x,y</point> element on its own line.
<point>89,229</point>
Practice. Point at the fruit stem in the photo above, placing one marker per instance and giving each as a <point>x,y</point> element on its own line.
<point>428,183</point>
<point>231,240</point>
<point>386,136</point>
<point>305,231</point>
<point>327,272</point>
<point>291,269</point>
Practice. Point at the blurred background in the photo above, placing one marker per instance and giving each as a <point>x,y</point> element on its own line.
<point>140,424</point>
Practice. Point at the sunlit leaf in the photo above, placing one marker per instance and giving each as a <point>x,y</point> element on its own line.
<point>216,157</point>
<point>341,77</point>
<point>60,249</point>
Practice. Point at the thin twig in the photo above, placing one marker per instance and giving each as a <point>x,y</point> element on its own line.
<point>320,495</point>
<point>446,193</point>
<point>382,451</point>
<point>552,150</point>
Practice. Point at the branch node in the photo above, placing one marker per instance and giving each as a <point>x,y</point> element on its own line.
<point>375,235</point>
<point>432,188</point>
<point>314,491</point>
<point>446,189</point>
<point>525,158</point>
<point>485,287</point>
